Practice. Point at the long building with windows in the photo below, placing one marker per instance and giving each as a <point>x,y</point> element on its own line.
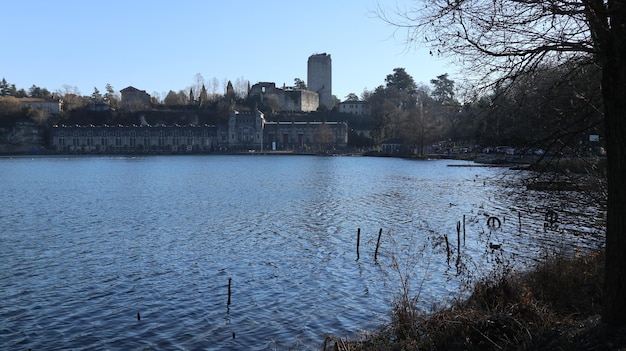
<point>132,139</point>
<point>248,131</point>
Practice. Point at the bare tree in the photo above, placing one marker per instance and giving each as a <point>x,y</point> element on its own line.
<point>503,39</point>
<point>323,136</point>
<point>156,98</point>
<point>194,88</point>
<point>71,98</point>
<point>241,87</point>
<point>214,88</point>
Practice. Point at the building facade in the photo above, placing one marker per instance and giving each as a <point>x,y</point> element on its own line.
<point>356,108</point>
<point>49,107</point>
<point>319,78</point>
<point>134,99</point>
<point>287,98</point>
<point>133,139</point>
<point>244,132</point>
<point>306,136</point>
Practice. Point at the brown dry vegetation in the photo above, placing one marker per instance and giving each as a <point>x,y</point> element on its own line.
<point>556,306</point>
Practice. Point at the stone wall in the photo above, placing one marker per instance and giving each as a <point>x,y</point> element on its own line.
<point>24,137</point>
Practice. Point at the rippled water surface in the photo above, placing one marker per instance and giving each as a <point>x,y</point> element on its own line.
<point>137,253</point>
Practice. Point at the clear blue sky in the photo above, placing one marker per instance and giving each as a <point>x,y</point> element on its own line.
<point>159,46</point>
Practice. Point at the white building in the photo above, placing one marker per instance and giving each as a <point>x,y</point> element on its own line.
<point>356,108</point>
<point>52,106</point>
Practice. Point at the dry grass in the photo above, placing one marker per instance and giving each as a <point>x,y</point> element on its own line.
<point>556,306</point>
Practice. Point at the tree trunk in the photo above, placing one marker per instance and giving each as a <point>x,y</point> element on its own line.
<point>614,96</point>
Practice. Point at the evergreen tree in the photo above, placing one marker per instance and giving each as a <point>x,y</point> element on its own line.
<point>204,97</point>
<point>299,84</point>
<point>96,96</point>
<point>111,97</point>
<point>230,91</point>
<point>4,88</point>
<point>21,93</point>
<point>444,88</point>
<point>401,81</point>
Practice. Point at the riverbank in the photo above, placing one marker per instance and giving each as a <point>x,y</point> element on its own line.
<point>555,306</point>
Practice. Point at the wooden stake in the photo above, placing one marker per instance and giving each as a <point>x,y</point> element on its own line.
<point>447,248</point>
<point>380,232</point>
<point>229,283</point>
<point>463,230</point>
<point>458,241</point>
<point>358,240</point>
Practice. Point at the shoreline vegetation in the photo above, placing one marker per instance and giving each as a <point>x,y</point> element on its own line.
<point>555,306</point>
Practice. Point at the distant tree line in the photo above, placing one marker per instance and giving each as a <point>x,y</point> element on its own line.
<point>538,109</point>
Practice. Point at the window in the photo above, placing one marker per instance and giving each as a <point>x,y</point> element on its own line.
<point>245,134</point>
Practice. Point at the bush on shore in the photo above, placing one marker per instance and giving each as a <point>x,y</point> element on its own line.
<point>555,306</point>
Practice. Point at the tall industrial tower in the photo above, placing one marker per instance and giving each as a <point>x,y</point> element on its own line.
<point>319,76</point>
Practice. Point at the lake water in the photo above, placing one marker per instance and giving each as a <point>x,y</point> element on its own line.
<point>127,253</point>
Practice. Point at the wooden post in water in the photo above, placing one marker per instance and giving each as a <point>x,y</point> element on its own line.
<point>463,230</point>
<point>358,240</point>
<point>447,248</point>
<point>380,232</point>
<point>229,283</point>
<point>458,242</point>
<point>458,236</point>
<point>519,214</point>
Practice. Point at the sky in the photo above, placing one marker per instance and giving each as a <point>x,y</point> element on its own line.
<point>158,46</point>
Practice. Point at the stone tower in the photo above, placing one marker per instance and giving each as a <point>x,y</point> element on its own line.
<point>319,78</point>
